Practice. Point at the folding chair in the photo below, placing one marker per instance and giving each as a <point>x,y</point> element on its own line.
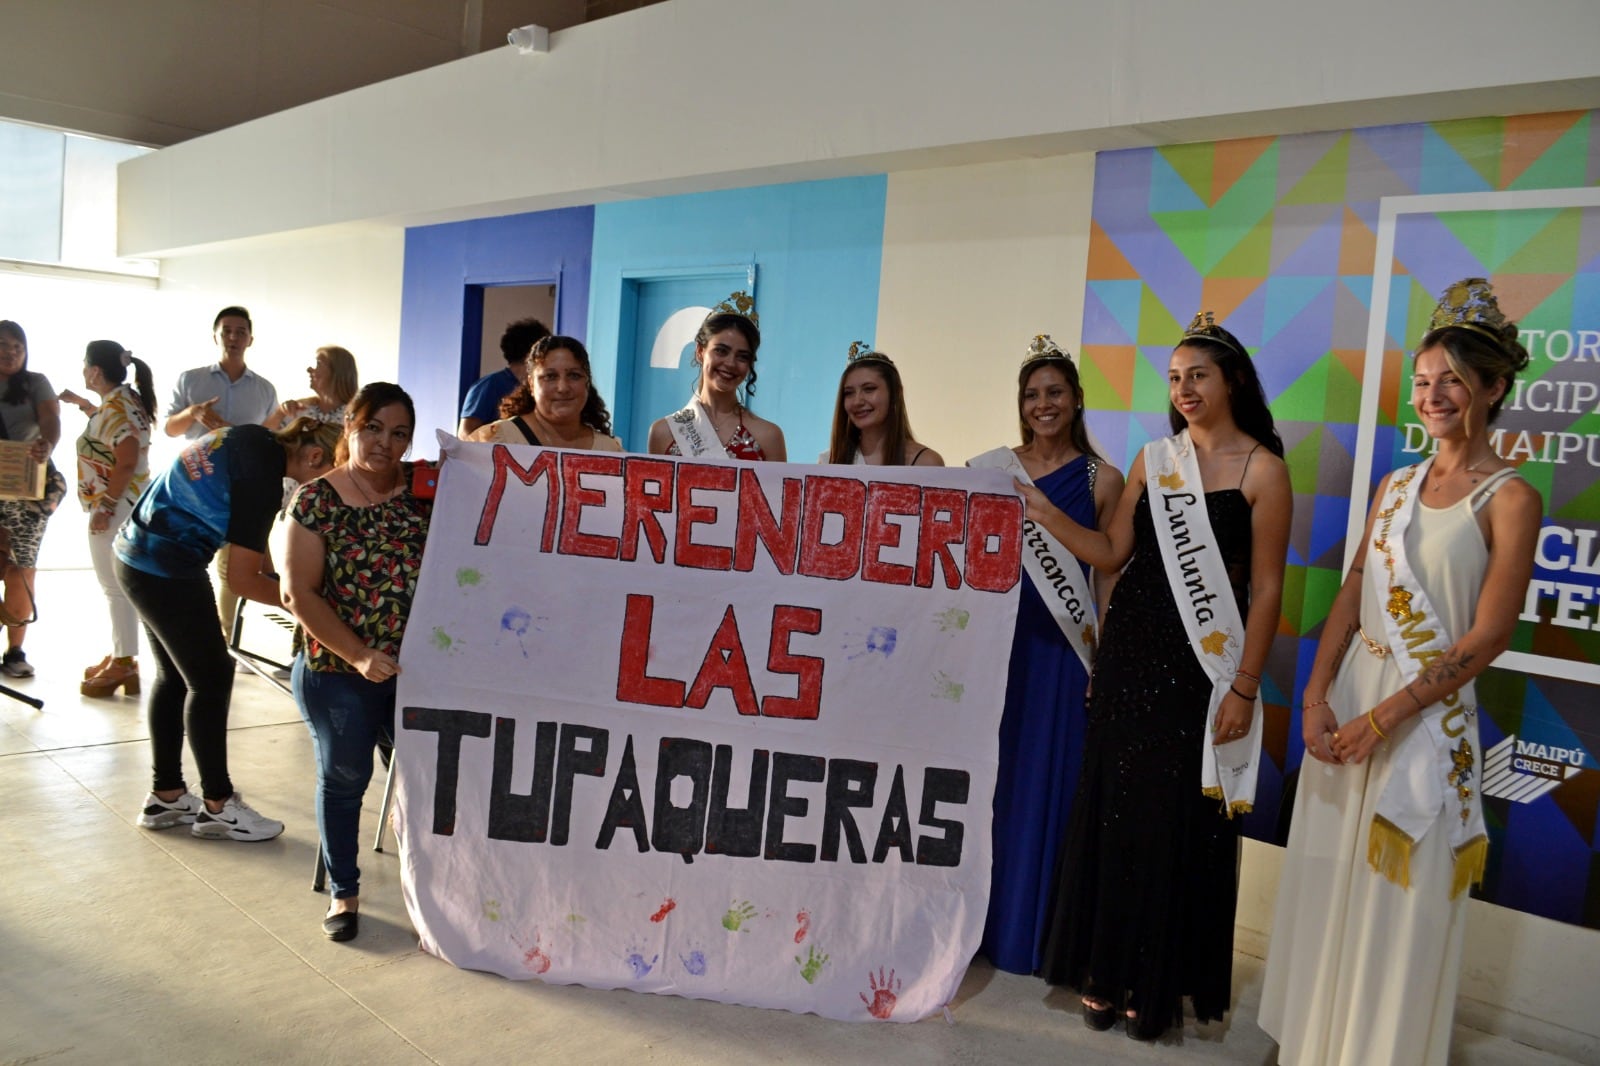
<point>263,665</point>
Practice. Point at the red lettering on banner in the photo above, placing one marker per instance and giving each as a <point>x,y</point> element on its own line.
<point>937,534</point>
<point>780,538</point>
<point>685,552</point>
<point>725,666</point>
<point>996,518</point>
<point>575,497</point>
<point>786,621</point>
<point>885,498</point>
<point>633,684</point>
<point>847,498</point>
<point>544,465</point>
<point>641,504</point>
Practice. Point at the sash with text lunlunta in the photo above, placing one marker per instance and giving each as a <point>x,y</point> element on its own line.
<point>1436,765</point>
<point>1055,572</point>
<point>692,429</point>
<point>1204,599</point>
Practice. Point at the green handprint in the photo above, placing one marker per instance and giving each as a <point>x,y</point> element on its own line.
<point>737,915</point>
<point>811,965</point>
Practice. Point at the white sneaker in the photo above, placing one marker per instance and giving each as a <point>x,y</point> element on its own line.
<point>159,814</point>
<point>236,821</point>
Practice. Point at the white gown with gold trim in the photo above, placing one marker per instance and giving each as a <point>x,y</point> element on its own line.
<point>1359,970</point>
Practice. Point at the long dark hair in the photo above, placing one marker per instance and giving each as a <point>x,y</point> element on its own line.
<point>17,388</point>
<point>1246,399</point>
<point>108,356</point>
<point>845,440</point>
<point>718,321</point>
<point>520,401</point>
<point>1079,431</point>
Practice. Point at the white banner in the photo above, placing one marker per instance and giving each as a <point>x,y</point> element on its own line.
<point>707,728</point>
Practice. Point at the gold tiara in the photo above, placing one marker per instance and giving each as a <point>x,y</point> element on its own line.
<point>1470,304</point>
<point>861,351</point>
<point>1043,347</point>
<point>741,304</point>
<point>1204,326</point>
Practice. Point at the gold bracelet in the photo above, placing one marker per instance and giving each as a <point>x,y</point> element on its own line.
<point>1314,703</point>
<point>1373,722</point>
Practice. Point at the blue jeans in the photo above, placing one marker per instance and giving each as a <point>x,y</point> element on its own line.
<point>348,715</point>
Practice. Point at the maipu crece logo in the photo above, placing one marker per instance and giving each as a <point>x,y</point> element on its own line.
<point>1522,770</point>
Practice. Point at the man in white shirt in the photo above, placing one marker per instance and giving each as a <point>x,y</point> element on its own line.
<point>224,393</point>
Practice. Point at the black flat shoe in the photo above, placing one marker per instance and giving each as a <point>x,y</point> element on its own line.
<point>1099,1018</point>
<point>342,926</point>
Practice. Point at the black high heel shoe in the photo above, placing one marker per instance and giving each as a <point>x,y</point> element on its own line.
<point>1099,1018</point>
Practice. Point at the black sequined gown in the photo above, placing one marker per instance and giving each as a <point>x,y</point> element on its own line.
<point>1147,880</point>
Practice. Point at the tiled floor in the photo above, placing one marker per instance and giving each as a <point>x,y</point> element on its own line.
<point>119,945</point>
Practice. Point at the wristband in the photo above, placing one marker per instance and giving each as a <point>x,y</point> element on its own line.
<point>1241,695</point>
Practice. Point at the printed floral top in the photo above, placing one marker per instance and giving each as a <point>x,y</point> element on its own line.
<point>120,417</point>
<point>370,574</point>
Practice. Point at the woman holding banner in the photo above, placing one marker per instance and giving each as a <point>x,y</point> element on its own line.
<point>1388,830</point>
<point>1147,880</point>
<point>556,405</point>
<point>355,547</point>
<point>870,424</point>
<point>1041,730</point>
<point>716,421</point>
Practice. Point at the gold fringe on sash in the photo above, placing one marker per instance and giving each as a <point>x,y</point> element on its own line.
<point>1229,809</point>
<point>1472,859</point>
<point>1389,851</point>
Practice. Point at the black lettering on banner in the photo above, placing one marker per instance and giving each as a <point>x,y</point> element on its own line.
<point>851,783</point>
<point>941,785</point>
<point>681,830</point>
<point>570,761</point>
<point>895,829</point>
<point>451,727</point>
<point>785,768</point>
<point>626,809</point>
<point>512,815</point>
<point>736,831</point>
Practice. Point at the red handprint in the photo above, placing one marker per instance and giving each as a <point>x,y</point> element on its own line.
<point>883,989</point>
<point>666,909</point>
<point>534,957</point>
<point>804,920</point>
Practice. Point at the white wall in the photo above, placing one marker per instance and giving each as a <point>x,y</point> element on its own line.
<point>976,260</point>
<point>697,94</point>
<point>327,288</point>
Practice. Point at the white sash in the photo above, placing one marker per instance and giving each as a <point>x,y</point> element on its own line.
<point>1436,766</point>
<point>1055,572</point>
<point>692,429</point>
<point>1205,602</point>
<point>859,460</point>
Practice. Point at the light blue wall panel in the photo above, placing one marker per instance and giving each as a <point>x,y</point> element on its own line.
<point>817,248</point>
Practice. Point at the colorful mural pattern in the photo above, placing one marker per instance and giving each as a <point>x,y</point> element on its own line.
<point>1279,237</point>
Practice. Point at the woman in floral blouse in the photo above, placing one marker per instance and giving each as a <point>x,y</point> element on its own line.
<point>354,550</point>
<point>113,468</point>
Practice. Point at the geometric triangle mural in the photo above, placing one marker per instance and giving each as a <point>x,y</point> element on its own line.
<point>1278,237</point>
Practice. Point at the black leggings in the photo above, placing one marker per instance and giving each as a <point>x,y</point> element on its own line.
<point>194,678</point>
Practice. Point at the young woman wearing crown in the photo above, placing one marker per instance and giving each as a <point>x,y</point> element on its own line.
<point>1042,727</point>
<point>870,424</point>
<point>716,422</point>
<point>1144,904</point>
<point>1388,828</point>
